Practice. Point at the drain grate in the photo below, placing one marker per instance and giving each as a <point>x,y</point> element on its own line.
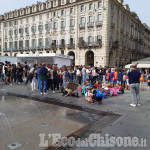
<point>14,145</point>
<point>45,111</point>
<point>45,124</point>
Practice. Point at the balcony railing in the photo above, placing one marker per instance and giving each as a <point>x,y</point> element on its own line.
<point>61,46</point>
<point>40,47</point>
<point>82,26</point>
<point>71,46</point>
<point>47,47</point>
<point>90,24</point>
<point>99,23</point>
<point>54,47</point>
<point>83,45</point>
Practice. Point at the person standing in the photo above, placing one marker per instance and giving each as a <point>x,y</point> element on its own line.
<point>33,71</point>
<point>134,81</point>
<point>83,74</point>
<point>43,77</point>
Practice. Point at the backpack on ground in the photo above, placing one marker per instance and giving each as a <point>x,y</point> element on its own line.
<point>99,93</point>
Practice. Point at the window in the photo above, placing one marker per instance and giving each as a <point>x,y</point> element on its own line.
<point>62,12</point>
<point>27,20</point>
<point>5,25</point>
<point>71,41</point>
<point>100,4</point>
<point>54,14</point>
<point>48,5</point>
<point>10,23</point>
<point>82,8</point>
<point>90,19</point>
<point>20,44</point>
<point>47,27</point>
<point>20,21</point>
<point>40,28</point>
<point>27,30</point>
<point>72,23</point>
<point>71,10</point>
<point>47,42</point>
<point>47,15</point>
<point>90,6</point>
<point>63,24</point>
<point>89,39</point>
<point>41,7</point>
<point>15,31</point>
<point>15,44</point>
<point>99,17</point>
<point>26,43</point>
<point>21,31</point>
<point>40,42</point>
<point>33,29</point>
<point>33,18</point>
<point>34,43</point>
<point>40,17</point>
<point>10,45</point>
<point>55,25</point>
<point>6,45</point>
<point>99,38</point>
<point>82,20</point>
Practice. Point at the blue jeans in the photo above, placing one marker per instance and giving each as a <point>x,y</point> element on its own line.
<point>83,78</point>
<point>43,85</point>
<point>135,93</point>
<point>39,84</point>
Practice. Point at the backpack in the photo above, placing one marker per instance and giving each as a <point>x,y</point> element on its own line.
<point>119,76</point>
<point>112,75</point>
<point>80,89</point>
<point>142,78</point>
<point>49,74</point>
<point>99,94</point>
<point>126,77</point>
<point>122,90</point>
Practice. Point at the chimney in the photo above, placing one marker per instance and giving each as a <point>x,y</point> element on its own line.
<point>126,7</point>
<point>121,1</point>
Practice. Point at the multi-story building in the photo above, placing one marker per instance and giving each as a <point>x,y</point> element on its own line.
<point>95,32</point>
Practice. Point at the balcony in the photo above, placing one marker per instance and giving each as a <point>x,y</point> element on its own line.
<point>54,47</point>
<point>39,48</point>
<point>27,34</point>
<point>82,26</point>
<point>99,23</point>
<point>20,48</point>
<point>83,45</point>
<point>71,46</point>
<point>61,46</point>
<point>47,47</point>
<point>63,28</point>
<point>90,25</point>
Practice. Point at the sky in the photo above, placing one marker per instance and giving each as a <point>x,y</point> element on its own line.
<point>141,7</point>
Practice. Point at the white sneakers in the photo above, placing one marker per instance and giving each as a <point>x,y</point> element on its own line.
<point>54,92</point>
<point>134,105</point>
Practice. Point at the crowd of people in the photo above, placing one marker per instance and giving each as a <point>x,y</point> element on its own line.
<point>94,82</point>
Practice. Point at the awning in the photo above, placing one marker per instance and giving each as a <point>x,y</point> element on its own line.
<point>138,66</point>
<point>128,66</point>
<point>143,65</point>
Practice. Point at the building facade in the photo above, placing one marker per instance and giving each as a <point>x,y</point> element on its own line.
<point>95,32</point>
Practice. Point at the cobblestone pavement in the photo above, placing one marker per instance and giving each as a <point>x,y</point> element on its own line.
<point>134,121</point>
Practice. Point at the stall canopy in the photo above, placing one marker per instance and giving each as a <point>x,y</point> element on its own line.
<point>143,63</point>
